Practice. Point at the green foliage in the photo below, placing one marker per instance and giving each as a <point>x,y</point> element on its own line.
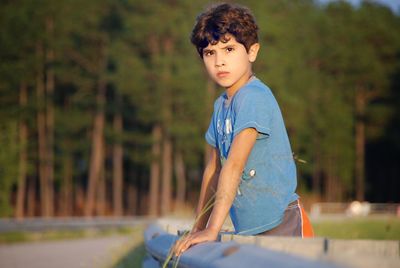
<point>314,59</point>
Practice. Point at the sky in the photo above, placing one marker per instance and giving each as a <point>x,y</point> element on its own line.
<point>393,4</point>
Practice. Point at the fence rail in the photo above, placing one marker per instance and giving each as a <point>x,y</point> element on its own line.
<point>354,208</point>
<point>220,254</point>
<point>261,251</point>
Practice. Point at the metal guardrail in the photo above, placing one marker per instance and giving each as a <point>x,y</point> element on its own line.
<point>72,223</point>
<point>316,252</point>
<point>221,254</point>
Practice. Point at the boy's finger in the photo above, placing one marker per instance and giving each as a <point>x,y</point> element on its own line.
<point>185,246</point>
<point>178,246</point>
<point>196,240</point>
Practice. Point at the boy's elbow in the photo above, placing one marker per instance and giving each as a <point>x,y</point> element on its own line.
<point>212,171</point>
<point>217,169</point>
<point>234,165</point>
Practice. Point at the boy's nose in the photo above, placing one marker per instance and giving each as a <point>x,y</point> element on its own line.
<point>219,61</point>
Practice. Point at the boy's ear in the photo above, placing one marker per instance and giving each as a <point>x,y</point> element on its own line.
<point>253,51</point>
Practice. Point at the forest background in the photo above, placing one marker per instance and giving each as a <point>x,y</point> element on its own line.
<point>104,103</point>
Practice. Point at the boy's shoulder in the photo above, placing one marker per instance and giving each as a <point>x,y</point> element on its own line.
<point>219,100</point>
<point>254,89</point>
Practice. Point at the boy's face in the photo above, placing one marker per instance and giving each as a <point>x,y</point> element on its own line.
<point>229,64</point>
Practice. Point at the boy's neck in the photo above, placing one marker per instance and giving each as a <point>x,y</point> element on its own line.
<point>230,92</point>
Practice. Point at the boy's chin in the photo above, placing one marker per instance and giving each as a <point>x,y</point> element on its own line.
<point>224,84</point>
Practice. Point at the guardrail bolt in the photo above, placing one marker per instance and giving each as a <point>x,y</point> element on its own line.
<point>230,251</point>
<point>155,235</point>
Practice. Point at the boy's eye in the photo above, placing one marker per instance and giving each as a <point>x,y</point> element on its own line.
<point>230,49</point>
<point>208,53</point>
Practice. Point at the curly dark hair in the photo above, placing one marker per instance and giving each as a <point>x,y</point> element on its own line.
<point>216,22</point>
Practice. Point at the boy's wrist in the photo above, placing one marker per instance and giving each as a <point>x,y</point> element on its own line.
<point>198,227</point>
<point>213,229</point>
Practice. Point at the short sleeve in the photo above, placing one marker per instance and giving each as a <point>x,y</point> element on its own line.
<point>253,109</point>
<point>210,134</point>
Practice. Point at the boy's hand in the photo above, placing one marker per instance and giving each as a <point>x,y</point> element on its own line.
<point>194,238</point>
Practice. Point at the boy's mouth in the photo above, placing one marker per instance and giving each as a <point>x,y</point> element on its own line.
<point>222,74</point>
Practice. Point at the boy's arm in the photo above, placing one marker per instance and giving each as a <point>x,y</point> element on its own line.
<point>208,189</point>
<point>226,191</point>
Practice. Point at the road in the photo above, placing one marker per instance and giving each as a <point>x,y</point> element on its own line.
<point>88,252</point>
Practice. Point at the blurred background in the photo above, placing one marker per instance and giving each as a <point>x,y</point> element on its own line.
<point>104,104</point>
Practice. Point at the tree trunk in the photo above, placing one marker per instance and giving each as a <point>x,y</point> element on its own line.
<point>339,190</point>
<point>143,198</point>
<point>118,168</point>
<point>166,191</point>
<point>209,110</point>
<point>155,172</point>
<point>79,201</point>
<point>328,187</point>
<point>334,189</point>
<point>101,194</point>
<point>316,175</point>
<point>181,180</point>
<point>31,202</point>
<point>132,199</point>
<point>360,102</point>
<point>23,161</point>
<point>42,138</point>
<point>97,150</point>
<point>50,117</point>
<point>329,181</point>
<point>155,168</point>
<point>66,208</point>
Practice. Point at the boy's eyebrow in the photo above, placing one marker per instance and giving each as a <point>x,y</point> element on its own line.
<point>228,45</point>
<point>205,50</point>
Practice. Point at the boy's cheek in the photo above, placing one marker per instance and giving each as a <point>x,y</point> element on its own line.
<point>208,66</point>
<point>210,72</point>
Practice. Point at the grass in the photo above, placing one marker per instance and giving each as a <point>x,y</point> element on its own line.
<point>132,254</point>
<point>133,258</point>
<point>24,236</point>
<point>359,228</point>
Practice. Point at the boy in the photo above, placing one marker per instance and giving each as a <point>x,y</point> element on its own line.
<point>251,165</point>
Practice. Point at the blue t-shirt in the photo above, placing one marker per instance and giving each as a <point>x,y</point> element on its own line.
<point>268,182</point>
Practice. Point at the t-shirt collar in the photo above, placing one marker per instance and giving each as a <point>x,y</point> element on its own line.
<point>251,79</point>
